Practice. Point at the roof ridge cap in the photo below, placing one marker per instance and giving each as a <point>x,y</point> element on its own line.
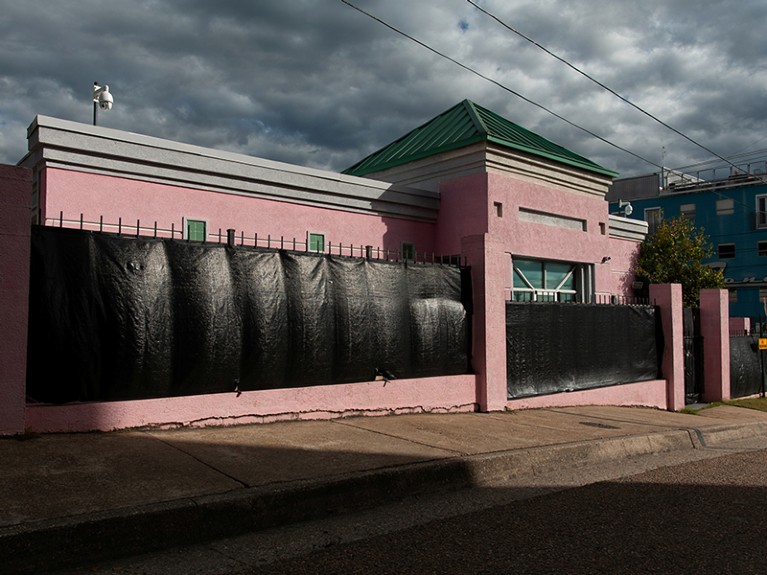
<point>471,109</point>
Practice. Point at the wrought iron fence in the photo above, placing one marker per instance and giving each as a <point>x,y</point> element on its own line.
<point>256,240</point>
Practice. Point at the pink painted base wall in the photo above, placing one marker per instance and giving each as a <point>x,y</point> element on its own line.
<point>436,394</point>
<point>15,218</point>
<point>643,394</point>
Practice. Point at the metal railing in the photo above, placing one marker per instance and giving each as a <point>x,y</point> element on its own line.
<point>233,239</point>
<point>567,297</point>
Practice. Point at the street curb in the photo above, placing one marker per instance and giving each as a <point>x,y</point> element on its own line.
<point>67,542</point>
<point>716,434</point>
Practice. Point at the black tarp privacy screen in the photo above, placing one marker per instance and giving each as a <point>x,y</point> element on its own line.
<point>127,318</point>
<point>746,376</point>
<point>553,347</point>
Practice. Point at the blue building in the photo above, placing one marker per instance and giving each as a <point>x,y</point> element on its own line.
<point>733,214</point>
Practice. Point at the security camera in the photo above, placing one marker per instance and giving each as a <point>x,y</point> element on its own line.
<point>105,99</point>
<point>101,99</point>
<point>626,207</point>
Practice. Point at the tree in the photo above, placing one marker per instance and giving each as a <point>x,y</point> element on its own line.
<point>675,254</point>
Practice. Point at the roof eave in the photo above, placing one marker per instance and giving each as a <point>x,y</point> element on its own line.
<point>420,156</point>
<point>590,167</point>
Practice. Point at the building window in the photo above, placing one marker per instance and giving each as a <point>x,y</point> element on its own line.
<point>763,303</point>
<point>195,230</point>
<point>316,242</point>
<point>726,251</point>
<point>687,211</point>
<point>732,295</point>
<point>653,217</point>
<point>761,211</point>
<point>498,209</point>
<point>408,251</point>
<point>536,280</point>
<point>761,248</point>
<point>725,207</point>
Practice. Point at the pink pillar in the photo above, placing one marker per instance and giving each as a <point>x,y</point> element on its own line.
<point>489,266</point>
<point>714,328</point>
<point>668,297</point>
<point>15,218</point>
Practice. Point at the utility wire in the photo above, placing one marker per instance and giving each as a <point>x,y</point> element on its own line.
<point>497,83</point>
<point>600,84</point>
<point>617,95</point>
<point>506,88</point>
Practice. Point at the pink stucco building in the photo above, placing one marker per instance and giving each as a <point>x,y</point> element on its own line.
<point>527,215</point>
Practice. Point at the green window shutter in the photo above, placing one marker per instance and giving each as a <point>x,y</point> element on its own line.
<point>317,242</point>
<point>196,230</point>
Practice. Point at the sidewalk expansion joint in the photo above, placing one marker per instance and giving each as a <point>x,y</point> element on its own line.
<point>604,418</point>
<point>400,438</point>
<point>200,461</point>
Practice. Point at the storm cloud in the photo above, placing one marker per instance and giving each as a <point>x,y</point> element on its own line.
<point>318,84</point>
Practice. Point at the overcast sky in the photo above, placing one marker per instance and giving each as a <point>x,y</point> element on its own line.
<point>318,84</point>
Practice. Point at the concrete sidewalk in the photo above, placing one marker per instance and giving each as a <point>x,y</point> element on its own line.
<point>101,495</point>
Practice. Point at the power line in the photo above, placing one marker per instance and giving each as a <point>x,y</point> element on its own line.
<point>506,88</point>
<point>496,82</point>
<point>620,97</point>
<point>600,84</point>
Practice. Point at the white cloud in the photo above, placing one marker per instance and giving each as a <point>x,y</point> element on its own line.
<point>319,84</point>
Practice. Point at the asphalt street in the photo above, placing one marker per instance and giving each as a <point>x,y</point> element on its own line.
<point>697,511</point>
<point>704,517</point>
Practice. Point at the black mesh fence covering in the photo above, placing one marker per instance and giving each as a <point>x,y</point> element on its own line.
<point>128,318</point>
<point>745,366</point>
<point>554,347</point>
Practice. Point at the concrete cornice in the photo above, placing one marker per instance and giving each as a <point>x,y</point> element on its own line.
<point>627,228</point>
<point>486,157</point>
<point>63,144</point>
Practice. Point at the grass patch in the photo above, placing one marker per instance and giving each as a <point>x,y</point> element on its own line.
<point>758,403</point>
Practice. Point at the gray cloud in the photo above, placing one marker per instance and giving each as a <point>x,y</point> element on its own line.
<point>318,84</point>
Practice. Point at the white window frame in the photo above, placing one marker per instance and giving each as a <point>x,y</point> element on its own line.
<point>309,236</point>
<point>583,283</point>
<point>186,220</point>
<point>653,217</point>
<point>761,211</point>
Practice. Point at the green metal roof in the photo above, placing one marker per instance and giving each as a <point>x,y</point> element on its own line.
<point>460,126</point>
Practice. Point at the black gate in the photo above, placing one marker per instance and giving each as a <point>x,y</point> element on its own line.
<point>693,356</point>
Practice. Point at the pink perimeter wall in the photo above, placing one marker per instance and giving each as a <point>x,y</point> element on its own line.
<point>642,394</point>
<point>96,195</point>
<point>15,217</point>
<point>436,395</point>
